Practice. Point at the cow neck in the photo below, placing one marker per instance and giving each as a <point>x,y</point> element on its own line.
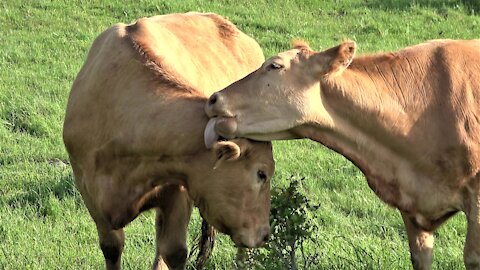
<point>196,169</point>
<point>188,170</point>
<point>355,97</point>
<point>356,107</point>
<point>367,128</point>
<point>193,160</point>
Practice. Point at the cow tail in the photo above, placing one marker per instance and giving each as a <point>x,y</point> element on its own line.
<point>204,245</point>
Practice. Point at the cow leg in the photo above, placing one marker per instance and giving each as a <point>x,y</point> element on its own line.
<point>111,243</point>
<point>471,254</point>
<point>172,220</point>
<point>159,263</point>
<point>421,244</point>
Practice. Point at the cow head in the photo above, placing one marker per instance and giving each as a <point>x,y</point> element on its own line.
<point>234,195</point>
<point>282,94</point>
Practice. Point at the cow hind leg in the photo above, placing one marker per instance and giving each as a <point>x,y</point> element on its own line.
<point>111,243</point>
<point>471,254</point>
<point>173,215</point>
<point>421,244</point>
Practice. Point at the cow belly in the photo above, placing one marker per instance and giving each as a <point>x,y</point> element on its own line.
<point>428,202</point>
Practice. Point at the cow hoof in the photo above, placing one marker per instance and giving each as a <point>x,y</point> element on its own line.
<point>177,259</point>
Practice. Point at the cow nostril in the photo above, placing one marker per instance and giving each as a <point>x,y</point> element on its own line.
<point>266,237</point>
<point>212,100</point>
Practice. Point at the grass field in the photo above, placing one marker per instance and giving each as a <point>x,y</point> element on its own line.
<point>43,222</point>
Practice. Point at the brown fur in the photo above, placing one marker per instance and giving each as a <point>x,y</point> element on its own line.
<point>300,44</point>
<point>134,133</point>
<point>408,119</point>
<point>226,30</point>
<point>164,73</point>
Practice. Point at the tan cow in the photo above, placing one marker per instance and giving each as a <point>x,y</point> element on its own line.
<point>134,133</point>
<point>410,120</point>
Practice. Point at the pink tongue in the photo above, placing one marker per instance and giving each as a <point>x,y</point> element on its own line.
<point>210,136</point>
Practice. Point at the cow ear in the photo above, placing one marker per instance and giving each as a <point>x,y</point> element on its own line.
<point>300,44</point>
<point>226,150</point>
<point>334,60</point>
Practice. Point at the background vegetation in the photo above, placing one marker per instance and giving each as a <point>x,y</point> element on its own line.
<point>43,222</point>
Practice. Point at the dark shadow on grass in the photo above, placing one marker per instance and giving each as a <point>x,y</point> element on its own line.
<point>267,27</point>
<point>39,195</point>
<point>439,5</point>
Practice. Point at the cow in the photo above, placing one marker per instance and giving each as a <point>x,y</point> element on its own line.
<point>134,127</point>
<point>409,120</point>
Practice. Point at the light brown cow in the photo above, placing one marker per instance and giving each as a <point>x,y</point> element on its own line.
<point>410,120</point>
<point>134,133</point>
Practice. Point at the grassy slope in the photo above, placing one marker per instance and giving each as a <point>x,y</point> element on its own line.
<point>44,224</point>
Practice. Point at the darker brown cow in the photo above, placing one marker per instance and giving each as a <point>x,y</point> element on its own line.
<point>410,120</point>
<point>134,133</point>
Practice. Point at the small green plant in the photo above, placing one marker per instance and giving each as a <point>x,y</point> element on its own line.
<point>292,225</point>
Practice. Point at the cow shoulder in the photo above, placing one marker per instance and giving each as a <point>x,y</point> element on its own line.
<point>153,44</point>
<point>202,50</point>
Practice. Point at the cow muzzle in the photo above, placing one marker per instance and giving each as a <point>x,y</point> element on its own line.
<point>217,106</point>
<point>219,126</point>
<point>226,127</point>
<point>252,238</point>
<point>212,105</point>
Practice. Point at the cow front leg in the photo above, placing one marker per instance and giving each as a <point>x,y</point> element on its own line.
<point>421,244</point>
<point>471,253</point>
<point>111,243</point>
<point>173,215</point>
<point>158,262</point>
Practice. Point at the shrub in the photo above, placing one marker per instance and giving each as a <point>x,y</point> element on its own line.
<point>292,226</point>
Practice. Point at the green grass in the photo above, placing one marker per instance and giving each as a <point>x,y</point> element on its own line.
<point>44,224</point>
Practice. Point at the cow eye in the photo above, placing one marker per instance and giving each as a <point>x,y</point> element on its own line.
<point>275,65</point>
<point>262,176</point>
